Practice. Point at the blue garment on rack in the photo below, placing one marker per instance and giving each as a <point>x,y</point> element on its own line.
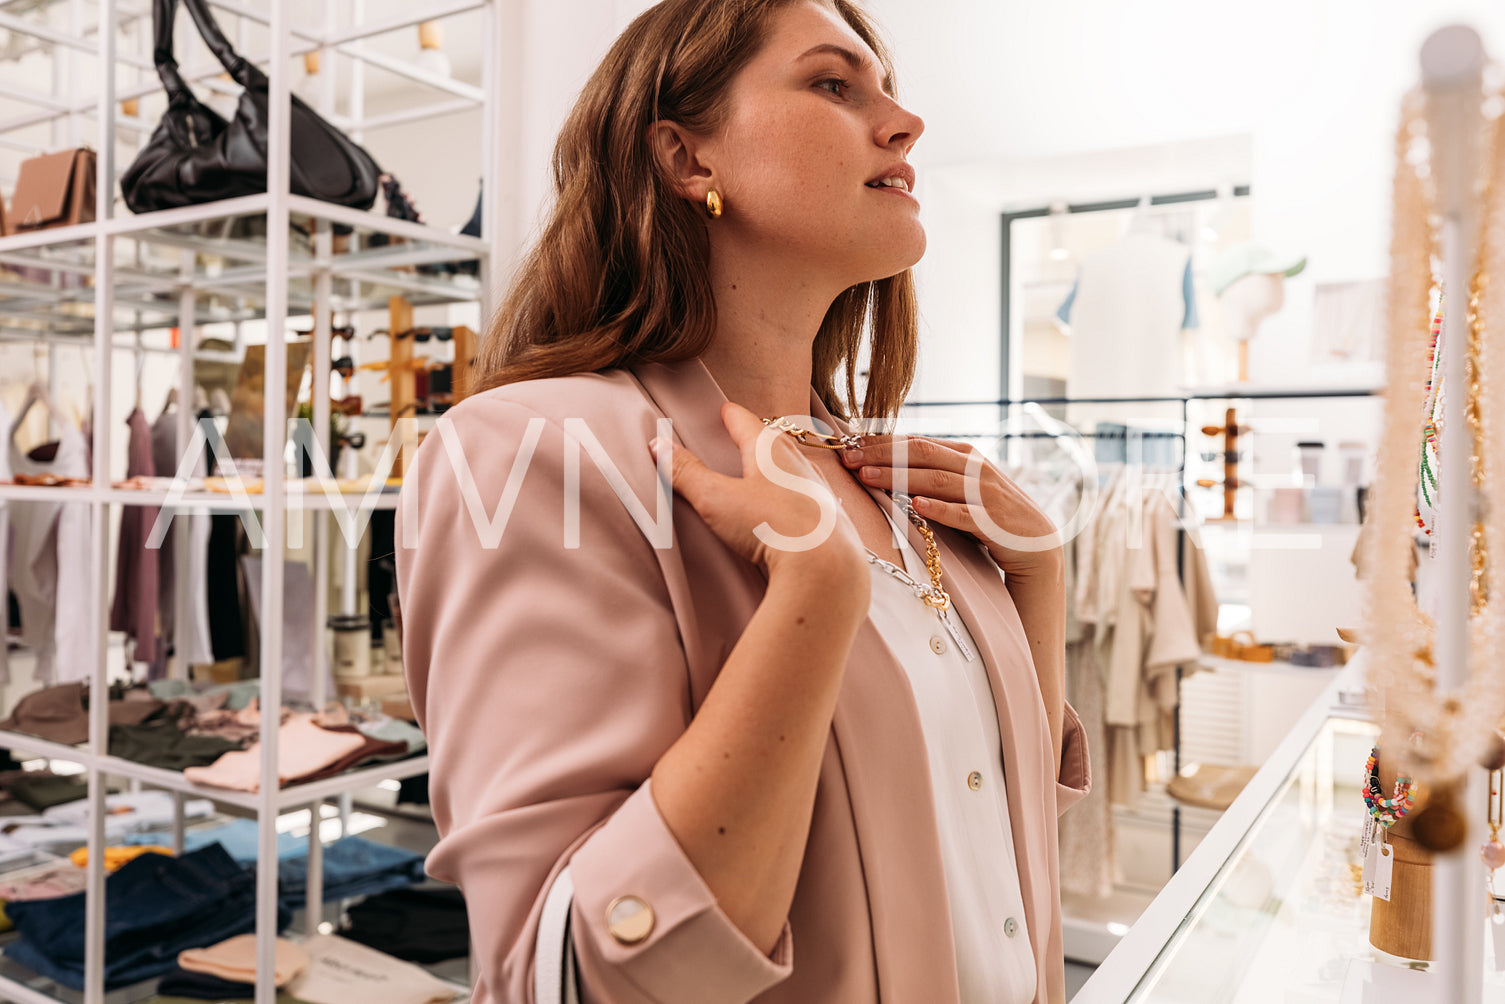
<point>353,866</point>
<point>155,907</point>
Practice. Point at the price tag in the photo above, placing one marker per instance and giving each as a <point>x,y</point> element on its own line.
<point>1377,882</point>
<point>1369,842</point>
<point>1366,838</point>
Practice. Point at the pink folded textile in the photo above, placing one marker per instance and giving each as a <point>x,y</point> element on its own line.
<point>235,960</point>
<point>303,748</point>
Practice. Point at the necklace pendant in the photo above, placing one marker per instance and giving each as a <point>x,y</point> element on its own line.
<point>955,632</point>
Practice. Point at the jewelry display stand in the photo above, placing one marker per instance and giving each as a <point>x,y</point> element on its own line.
<point>1402,925</point>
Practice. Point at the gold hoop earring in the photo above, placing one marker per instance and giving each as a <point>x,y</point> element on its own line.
<point>713,203</point>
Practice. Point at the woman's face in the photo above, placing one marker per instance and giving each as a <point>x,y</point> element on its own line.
<point>810,138</point>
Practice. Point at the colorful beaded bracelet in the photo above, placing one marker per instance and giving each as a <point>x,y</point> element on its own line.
<point>1388,811</point>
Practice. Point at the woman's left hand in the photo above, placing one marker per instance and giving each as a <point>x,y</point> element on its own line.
<point>953,484</point>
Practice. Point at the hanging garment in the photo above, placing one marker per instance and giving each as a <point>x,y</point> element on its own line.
<point>51,558</point>
<point>134,610</point>
<point>1156,633</point>
<point>227,626</point>
<point>165,463</point>
<point>1088,863</point>
<point>193,641</point>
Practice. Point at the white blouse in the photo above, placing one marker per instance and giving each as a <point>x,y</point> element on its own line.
<point>995,963</point>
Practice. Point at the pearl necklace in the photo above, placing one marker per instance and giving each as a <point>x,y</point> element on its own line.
<point>1455,729</point>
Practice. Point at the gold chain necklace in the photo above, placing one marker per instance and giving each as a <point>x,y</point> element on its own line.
<point>934,594</point>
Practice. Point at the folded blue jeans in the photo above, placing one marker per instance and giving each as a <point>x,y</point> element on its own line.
<point>155,907</point>
<point>353,866</point>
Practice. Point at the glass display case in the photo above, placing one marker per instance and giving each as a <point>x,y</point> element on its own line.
<point>1271,906</point>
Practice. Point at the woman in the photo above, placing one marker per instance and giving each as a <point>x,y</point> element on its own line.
<point>772,766</point>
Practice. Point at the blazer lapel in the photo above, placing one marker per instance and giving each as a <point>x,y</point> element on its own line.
<point>689,397</point>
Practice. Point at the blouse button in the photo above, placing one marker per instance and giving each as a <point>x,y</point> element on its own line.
<point>1011,927</point>
<point>974,780</point>
<point>629,919</point>
<point>937,644</point>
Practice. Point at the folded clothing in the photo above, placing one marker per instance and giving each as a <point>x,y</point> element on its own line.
<point>238,838</point>
<point>233,695</point>
<point>419,925</point>
<point>67,826</point>
<point>370,751</point>
<point>60,713</point>
<point>46,880</point>
<point>353,866</point>
<point>155,908</point>
<point>392,729</point>
<point>303,748</point>
<point>180,982</point>
<point>234,959</point>
<point>42,789</point>
<point>115,857</point>
<point>163,743</point>
<point>341,971</point>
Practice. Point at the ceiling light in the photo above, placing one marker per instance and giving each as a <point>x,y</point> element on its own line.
<point>1058,249</point>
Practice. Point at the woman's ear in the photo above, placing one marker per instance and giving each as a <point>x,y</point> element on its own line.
<point>679,154</point>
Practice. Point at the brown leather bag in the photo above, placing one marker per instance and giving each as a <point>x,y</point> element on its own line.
<point>54,190</point>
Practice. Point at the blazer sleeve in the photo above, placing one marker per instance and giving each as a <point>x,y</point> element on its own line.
<point>549,679</point>
<point>1075,779</point>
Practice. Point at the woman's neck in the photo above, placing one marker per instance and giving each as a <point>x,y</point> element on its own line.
<point>761,355</point>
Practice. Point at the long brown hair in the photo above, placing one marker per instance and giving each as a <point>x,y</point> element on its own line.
<point>619,274</point>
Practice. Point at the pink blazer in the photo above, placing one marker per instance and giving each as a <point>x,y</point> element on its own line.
<point>549,680</point>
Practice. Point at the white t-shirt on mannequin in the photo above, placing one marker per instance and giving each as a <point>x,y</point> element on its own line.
<point>1125,314</point>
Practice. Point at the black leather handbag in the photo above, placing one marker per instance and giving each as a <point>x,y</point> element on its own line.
<point>195,156</point>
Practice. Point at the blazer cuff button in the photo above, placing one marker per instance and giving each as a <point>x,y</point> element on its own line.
<point>629,919</point>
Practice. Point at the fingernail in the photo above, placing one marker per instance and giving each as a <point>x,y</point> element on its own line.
<point>920,503</point>
<point>852,456</point>
<point>870,472</point>
<point>659,445</point>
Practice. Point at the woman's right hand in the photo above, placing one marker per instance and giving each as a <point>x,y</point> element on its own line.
<point>780,514</point>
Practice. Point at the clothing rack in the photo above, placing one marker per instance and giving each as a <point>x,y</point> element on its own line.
<point>1184,401</point>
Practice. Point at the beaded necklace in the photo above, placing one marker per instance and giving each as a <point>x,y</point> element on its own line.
<point>1455,729</point>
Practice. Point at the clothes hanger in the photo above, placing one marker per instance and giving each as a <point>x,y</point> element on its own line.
<point>36,393</point>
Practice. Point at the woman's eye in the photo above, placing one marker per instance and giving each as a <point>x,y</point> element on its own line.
<point>835,85</point>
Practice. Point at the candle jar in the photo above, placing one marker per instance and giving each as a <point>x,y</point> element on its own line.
<point>352,645</point>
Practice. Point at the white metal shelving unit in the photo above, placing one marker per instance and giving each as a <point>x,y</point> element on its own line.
<point>178,268</point>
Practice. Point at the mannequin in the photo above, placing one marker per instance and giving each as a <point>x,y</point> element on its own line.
<point>1246,303</point>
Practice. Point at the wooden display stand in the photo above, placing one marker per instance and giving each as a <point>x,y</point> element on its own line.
<point>400,374</point>
<point>1402,925</point>
<point>1230,431</point>
<point>465,358</point>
